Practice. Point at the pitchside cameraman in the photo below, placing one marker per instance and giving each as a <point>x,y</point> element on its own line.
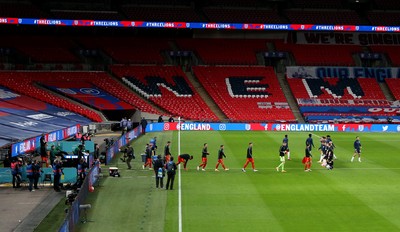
<point>129,154</point>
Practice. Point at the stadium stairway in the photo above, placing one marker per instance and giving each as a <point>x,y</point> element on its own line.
<point>386,91</point>
<point>290,97</point>
<point>206,97</point>
<point>113,76</point>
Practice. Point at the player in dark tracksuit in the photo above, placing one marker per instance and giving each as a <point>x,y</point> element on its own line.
<point>204,154</point>
<point>167,153</point>
<point>310,142</point>
<point>357,149</point>
<point>221,156</point>
<point>329,156</point>
<point>249,158</point>
<point>184,158</point>
<point>149,154</point>
<point>329,139</point>
<point>307,160</point>
<point>282,152</point>
<point>286,140</point>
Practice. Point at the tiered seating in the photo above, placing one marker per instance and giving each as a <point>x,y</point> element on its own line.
<point>169,88</point>
<point>23,82</point>
<point>342,17</point>
<point>335,88</point>
<point>336,99</point>
<point>237,3</point>
<point>87,93</point>
<point>328,4</point>
<point>384,18</point>
<point>225,51</point>
<point>92,15</point>
<point>386,5</point>
<point>243,15</point>
<point>320,55</point>
<point>393,53</point>
<point>46,49</point>
<point>101,80</point>
<point>129,50</point>
<point>20,9</point>
<point>394,86</point>
<point>245,93</point>
<point>161,14</point>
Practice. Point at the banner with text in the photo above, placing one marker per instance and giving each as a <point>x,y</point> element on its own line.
<point>193,126</point>
<point>341,72</point>
<point>343,38</point>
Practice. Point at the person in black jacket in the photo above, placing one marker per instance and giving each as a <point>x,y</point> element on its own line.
<point>159,171</point>
<point>171,170</point>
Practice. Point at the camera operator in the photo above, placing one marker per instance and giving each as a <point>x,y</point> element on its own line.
<point>57,171</point>
<point>82,166</point>
<point>129,154</point>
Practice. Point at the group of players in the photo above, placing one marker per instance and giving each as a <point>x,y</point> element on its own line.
<point>326,150</point>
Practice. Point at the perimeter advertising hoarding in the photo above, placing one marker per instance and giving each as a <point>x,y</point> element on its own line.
<point>193,126</point>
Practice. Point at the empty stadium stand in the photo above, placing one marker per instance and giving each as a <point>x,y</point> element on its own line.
<point>23,83</point>
<point>339,99</point>
<point>332,17</point>
<point>237,15</point>
<point>225,51</point>
<point>320,55</point>
<point>168,87</point>
<point>42,49</point>
<point>155,13</point>
<point>129,50</point>
<point>246,93</point>
<point>86,15</point>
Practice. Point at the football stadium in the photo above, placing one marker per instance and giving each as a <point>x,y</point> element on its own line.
<point>213,115</point>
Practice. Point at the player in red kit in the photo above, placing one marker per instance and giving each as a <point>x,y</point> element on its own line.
<point>249,158</point>
<point>184,158</point>
<point>204,155</point>
<point>221,156</point>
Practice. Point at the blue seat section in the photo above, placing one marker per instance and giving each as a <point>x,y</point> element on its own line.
<point>29,124</point>
<point>15,134</point>
<point>152,87</point>
<point>88,94</point>
<point>22,105</point>
<point>240,88</point>
<point>7,108</point>
<point>337,89</point>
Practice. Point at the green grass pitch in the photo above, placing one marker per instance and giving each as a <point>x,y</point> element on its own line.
<point>352,197</point>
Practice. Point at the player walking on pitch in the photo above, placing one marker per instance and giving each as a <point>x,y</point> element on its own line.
<point>249,158</point>
<point>167,153</point>
<point>282,152</point>
<point>286,140</point>
<point>357,149</point>
<point>221,156</point>
<point>307,160</point>
<point>310,142</point>
<point>204,154</point>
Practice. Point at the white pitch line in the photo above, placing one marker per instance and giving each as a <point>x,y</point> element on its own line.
<point>179,199</point>
<point>319,168</point>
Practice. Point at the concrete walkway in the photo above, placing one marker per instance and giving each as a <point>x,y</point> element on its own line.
<point>22,210</point>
